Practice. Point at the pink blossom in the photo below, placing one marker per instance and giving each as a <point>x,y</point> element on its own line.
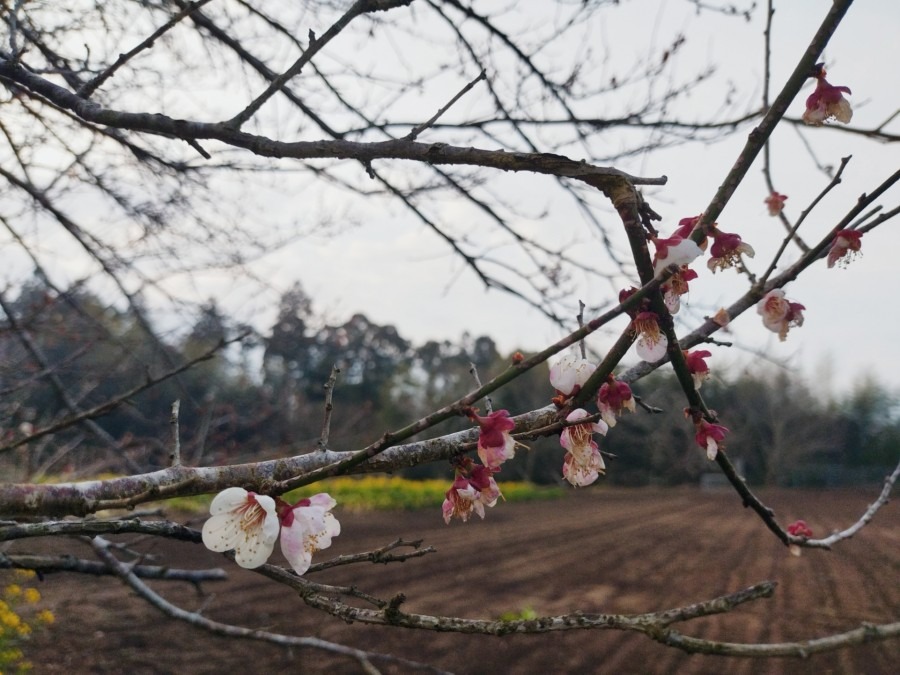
<point>651,345</point>
<point>709,437</point>
<point>495,445</point>
<point>626,293</point>
<point>799,528</point>
<point>614,397</point>
<point>827,102</point>
<point>726,250</point>
<point>775,202</point>
<point>779,314</point>
<point>473,488</point>
<point>583,462</point>
<point>243,521</point>
<point>306,527</point>
<point>696,363</point>
<point>569,374</point>
<point>686,227</point>
<point>676,286</point>
<point>674,250</point>
<point>845,247</point>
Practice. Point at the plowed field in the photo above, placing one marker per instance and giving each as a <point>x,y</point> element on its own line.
<point>599,550</point>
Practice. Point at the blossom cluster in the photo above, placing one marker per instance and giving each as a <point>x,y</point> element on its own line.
<point>583,463</point>
<point>675,254</point>
<point>474,486</point>
<point>249,523</point>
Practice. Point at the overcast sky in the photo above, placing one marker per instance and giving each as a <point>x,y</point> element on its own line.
<point>393,270</point>
<point>379,260</point>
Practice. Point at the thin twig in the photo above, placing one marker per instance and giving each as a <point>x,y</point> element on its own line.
<point>315,45</point>
<point>89,87</point>
<point>322,444</point>
<point>473,371</point>
<point>580,318</point>
<point>835,181</point>
<point>414,134</point>
<point>175,457</point>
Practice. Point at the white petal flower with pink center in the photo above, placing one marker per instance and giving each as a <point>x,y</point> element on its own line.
<point>245,522</point>
<point>710,437</point>
<point>779,314</point>
<point>307,527</point>
<point>570,372</point>
<point>651,345</point>
<point>583,462</point>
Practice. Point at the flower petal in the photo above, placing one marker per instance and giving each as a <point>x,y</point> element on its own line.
<point>652,351</point>
<point>228,500</point>
<point>221,533</point>
<point>256,547</point>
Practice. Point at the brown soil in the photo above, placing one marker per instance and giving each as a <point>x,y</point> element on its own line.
<point>613,551</point>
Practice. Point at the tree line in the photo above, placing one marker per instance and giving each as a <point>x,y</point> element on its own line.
<point>263,396</point>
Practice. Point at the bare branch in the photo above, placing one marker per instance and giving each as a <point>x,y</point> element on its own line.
<point>101,547</point>
<point>67,563</point>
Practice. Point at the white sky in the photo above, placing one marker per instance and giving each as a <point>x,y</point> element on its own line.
<point>387,265</point>
<point>395,271</point>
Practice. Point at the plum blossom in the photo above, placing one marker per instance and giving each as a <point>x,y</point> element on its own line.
<point>686,227</point>
<point>306,527</point>
<point>614,397</point>
<point>569,374</point>
<point>696,363</point>
<point>775,202</point>
<point>827,102</point>
<point>583,462</point>
<point>245,522</point>
<point>473,488</point>
<point>674,250</point>
<point>726,250</point>
<point>495,445</point>
<point>845,247</point>
<point>249,524</point>
<point>709,437</point>
<point>651,345</point>
<point>798,529</point>
<point>779,314</point>
<point>676,286</point>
